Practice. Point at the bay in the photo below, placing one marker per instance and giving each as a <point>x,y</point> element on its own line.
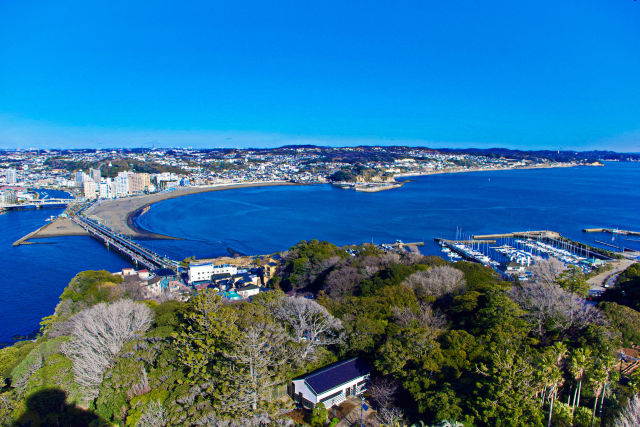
<point>268,219</point>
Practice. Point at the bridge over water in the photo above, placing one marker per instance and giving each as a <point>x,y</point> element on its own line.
<point>140,255</point>
<point>39,203</point>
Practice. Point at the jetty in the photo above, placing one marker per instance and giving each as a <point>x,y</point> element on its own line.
<point>609,244</point>
<point>611,231</point>
<point>525,234</point>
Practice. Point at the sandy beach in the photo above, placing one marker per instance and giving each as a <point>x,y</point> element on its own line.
<point>120,214</point>
<point>56,228</point>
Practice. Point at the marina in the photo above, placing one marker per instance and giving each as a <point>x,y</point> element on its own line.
<point>513,254</point>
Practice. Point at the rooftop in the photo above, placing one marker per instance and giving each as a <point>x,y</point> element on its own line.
<point>334,375</point>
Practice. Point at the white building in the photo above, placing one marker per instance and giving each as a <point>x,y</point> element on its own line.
<point>107,189</point>
<point>80,178</point>
<point>95,175</point>
<point>90,189</point>
<point>200,272</point>
<point>330,385</point>
<point>12,176</point>
<point>122,184</point>
<point>248,291</point>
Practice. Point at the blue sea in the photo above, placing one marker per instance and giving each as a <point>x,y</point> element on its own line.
<point>268,219</point>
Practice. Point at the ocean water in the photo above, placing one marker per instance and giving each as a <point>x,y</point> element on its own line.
<point>268,219</point>
<point>33,276</point>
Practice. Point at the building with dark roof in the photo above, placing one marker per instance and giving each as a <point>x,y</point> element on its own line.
<point>331,385</point>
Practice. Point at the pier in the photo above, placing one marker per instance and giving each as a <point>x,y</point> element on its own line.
<point>401,244</point>
<point>532,234</point>
<point>140,255</point>
<point>611,231</point>
<point>460,247</point>
<point>609,244</point>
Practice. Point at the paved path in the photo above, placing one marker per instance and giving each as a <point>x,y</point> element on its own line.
<point>609,277</point>
<point>352,418</point>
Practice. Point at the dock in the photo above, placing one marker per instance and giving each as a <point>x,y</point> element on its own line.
<point>611,231</point>
<point>609,244</point>
<point>400,244</point>
<point>538,234</point>
<point>453,242</point>
<point>468,255</point>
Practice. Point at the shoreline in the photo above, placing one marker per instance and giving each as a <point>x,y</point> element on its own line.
<point>123,218</point>
<point>453,170</point>
<point>121,214</point>
<point>56,228</point>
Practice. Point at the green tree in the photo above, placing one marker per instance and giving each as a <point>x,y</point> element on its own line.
<point>319,415</point>
<point>208,332</point>
<point>506,389</point>
<point>624,319</point>
<point>573,280</point>
<point>579,363</point>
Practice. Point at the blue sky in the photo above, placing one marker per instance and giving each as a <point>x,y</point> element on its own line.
<point>544,74</point>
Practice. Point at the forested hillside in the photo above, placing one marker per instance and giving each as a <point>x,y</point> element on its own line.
<point>445,341</point>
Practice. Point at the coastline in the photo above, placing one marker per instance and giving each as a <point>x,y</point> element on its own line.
<point>120,214</point>
<point>461,170</point>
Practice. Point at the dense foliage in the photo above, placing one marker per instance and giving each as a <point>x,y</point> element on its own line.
<point>627,289</point>
<point>445,341</point>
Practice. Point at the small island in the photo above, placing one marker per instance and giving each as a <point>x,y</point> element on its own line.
<point>361,178</point>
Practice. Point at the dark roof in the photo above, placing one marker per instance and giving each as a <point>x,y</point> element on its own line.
<point>164,272</point>
<point>334,375</point>
<point>248,288</point>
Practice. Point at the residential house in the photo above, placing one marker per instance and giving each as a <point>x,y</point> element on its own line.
<point>248,291</point>
<point>331,385</point>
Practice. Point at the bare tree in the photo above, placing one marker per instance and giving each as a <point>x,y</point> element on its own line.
<point>436,281</point>
<point>342,281</point>
<point>382,391</point>
<point>630,416</point>
<point>426,317</point>
<point>98,335</point>
<point>546,271</point>
<point>154,416</point>
<point>369,266</point>
<point>551,308</point>
<point>389,259</point>
<point>311,324</point>
<point>258,356</point>
<point>390,416</point>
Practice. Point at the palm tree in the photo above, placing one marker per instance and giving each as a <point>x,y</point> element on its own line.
<point>611,375</point>
<point>578,365</point>
<point>555,381</point>
<point>597,380</point>
<point>550,370</point>
<point>600,378</point>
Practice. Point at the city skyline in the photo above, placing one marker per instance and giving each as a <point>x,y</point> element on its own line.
<point>543,76</point>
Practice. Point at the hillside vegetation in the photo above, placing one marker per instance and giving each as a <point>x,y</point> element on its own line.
<point>445,341</point>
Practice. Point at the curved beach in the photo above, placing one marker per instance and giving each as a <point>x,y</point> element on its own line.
<point>120,214</point>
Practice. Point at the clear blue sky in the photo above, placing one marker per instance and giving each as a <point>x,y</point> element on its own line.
<point>521,74</point>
